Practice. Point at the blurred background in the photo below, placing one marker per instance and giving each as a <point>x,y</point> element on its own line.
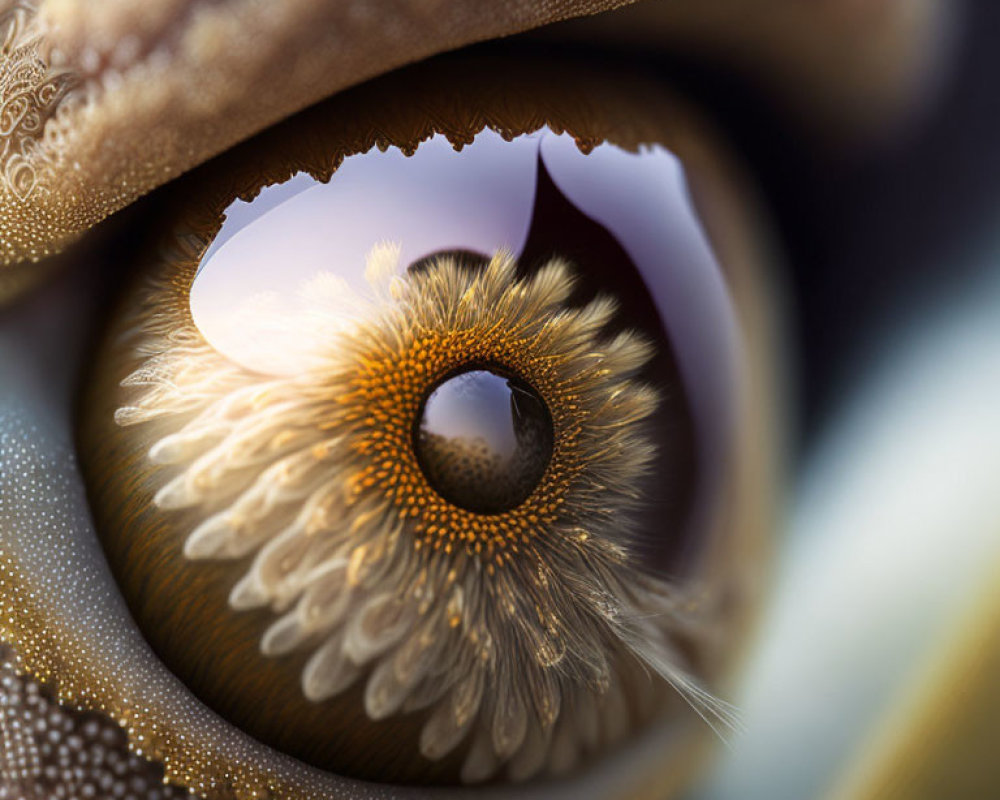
<point>876,669</point>
<point>876,672</point>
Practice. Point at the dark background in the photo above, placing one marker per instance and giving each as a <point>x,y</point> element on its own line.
<point>869,234</point>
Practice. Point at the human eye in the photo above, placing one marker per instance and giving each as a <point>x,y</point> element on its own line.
<point>104,662</point>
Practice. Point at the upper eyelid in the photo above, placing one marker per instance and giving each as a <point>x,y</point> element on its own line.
<point>125,127</point>
<point>116,100</point>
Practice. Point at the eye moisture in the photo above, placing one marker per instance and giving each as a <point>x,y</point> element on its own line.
<point>485,440</point>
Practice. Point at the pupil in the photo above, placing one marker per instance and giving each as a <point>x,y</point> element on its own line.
<point>484,440</point>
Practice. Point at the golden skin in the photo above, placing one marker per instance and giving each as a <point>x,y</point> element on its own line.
<point>94,182</point>
<point>156,93</point>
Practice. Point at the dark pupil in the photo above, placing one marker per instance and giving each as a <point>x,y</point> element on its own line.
<point>484,440</point>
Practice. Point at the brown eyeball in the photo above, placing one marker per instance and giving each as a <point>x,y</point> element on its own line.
<point>277,465</point>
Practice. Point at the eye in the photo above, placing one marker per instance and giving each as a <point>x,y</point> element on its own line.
<point>315,531</point>
<point>395,553</point>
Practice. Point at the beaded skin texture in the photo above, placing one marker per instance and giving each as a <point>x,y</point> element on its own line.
<point>49,751</point>
<point>120,98</point>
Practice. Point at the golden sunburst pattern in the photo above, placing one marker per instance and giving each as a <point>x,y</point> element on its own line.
<point>530,636</point>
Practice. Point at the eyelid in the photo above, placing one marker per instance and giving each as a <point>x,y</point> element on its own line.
<point>126,100</point>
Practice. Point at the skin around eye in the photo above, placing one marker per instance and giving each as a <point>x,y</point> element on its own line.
<point>112,103</point>
<point>723,560</point>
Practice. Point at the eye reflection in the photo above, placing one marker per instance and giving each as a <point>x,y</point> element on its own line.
<point>146,519</point>
<point>484,440</point>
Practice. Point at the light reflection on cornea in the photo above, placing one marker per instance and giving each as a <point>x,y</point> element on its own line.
<point>254,289</point>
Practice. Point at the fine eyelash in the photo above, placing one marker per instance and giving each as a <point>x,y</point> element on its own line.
<point>527,633</point>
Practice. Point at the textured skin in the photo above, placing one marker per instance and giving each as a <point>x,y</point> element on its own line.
<point>142,96</point>
<point>49,750</point>
<point>121,97</point>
